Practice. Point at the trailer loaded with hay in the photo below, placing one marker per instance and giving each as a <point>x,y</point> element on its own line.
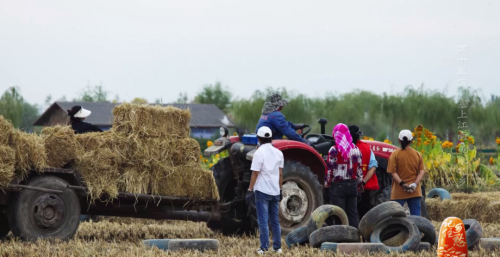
<point>146,166</point>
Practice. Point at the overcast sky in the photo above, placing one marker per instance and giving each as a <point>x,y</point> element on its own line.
<point>157,49</point>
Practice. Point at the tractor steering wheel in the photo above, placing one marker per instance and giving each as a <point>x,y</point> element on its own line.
<point>304,133</point>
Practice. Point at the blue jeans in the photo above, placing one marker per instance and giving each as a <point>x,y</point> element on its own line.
<point>413,204</point>
<point>268,215</point>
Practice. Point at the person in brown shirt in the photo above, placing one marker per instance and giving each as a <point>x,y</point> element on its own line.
<point>407,168</point>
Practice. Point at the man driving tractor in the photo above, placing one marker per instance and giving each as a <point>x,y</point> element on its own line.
<point>275,120</point>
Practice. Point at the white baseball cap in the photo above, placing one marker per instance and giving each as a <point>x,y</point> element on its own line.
<point>405,133</point>
<point>82,113</point>
<point>264,132</point>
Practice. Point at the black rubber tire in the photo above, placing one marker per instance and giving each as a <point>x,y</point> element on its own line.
<point>336,234</point>
<point>473,232</point>
<point>411,244</point>
<point>489,244</point>
<point>201,245</point>
<point>361,248</point>
<point>396,240</point>
<point>426,228</point>
<point>440,193</point>
<point>377,215</point>
<point>228,224</point>
<point>319,216</point>
<point>424,246</point>
<point>327,246</point>
<point>23,223</point>
<point>4,226</point>
<point>307,181</point>
<point>297,237</point>
<point>162,244</point>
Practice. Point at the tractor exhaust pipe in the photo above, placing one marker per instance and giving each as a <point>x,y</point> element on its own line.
<point>323,123</point>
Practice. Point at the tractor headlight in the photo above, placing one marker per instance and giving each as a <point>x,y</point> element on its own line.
<point>223,131</point>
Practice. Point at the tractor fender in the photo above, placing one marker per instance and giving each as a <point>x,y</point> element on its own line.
<point>381,149</point>
<point>298,151</point>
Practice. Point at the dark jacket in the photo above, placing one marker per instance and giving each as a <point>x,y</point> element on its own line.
<point>279,126</point>
<point>81,127</point>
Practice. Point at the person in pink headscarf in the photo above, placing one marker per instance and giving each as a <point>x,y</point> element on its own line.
<point>344,173</point>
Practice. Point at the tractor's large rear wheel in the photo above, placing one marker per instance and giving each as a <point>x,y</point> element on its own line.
<point>230,223</point>
<point>302,194</point>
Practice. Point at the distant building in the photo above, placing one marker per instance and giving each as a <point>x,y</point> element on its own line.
<point>206,119</point>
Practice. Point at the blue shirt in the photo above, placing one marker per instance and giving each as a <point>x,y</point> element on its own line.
<point>279,126</point>
<point>373,162</point>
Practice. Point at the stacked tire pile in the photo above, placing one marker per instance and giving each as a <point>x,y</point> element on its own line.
<point>389,224</point>
<point>385,228</point>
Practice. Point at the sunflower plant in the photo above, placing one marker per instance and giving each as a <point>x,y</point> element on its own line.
<point>208,162</point>
<point>436,155</point>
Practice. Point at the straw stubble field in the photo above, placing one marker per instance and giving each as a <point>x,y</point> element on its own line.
<point>122,237</point>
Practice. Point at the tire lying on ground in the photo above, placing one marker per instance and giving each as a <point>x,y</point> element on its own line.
<point>332,247</point>
<point>336,233</point>
<point>411,244</point>
<point>426,228</point>
<point>394,236</point>
<point>378,214</point>
<point>162,244</point>
<point>440,193</point>
<point>424,246</point>
<point>297,237</point>
<point>319,216</point>
<point>362,248</point>
<point>490,244</point>
<point>473,232</point>
<point>201,245</point>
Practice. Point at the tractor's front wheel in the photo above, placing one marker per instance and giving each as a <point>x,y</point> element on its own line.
<point>302,194</point>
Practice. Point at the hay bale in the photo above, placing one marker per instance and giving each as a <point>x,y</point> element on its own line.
<point>30,153</point>
<point>188,181</point>
<point>6,131</point>
<point>99,170</point>
<point>7,165</point>
<point>476,207</point>
<point>60,144</point>
<point>98,140</point>
<point>135,180</point>
<point>151,121</point>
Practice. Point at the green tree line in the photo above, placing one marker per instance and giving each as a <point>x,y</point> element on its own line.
<point>380,116</point>
<point>383,116</point>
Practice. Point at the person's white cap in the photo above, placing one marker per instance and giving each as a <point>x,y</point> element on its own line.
<point>405,133</point>
<point>264,132</point>
<point>82,113</point>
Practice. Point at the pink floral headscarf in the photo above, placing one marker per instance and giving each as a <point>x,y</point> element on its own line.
<point>343,139</point>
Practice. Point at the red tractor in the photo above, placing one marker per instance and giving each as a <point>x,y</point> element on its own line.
<point>303,177</point>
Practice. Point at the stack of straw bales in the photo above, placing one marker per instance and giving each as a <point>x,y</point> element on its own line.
<point>148,151</point>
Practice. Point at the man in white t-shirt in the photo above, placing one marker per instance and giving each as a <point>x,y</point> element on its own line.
<point>266,182</point>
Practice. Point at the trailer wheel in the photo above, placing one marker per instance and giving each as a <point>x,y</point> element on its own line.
<point>4,226</point>
<point>34,214</point>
